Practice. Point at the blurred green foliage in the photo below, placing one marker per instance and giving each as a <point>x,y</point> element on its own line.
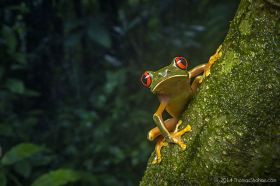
<point>72,110</point>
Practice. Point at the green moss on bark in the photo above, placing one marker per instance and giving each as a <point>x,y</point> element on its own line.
<point>235,116</point>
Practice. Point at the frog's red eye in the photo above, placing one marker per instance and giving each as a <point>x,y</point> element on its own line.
<point>146,79</point>
<point>181,63</point>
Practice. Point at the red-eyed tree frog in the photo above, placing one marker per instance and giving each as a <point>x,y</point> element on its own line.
<point>174,87</point>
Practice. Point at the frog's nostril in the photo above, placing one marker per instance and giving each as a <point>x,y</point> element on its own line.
<point>163,74</point>
<point>166,72</point>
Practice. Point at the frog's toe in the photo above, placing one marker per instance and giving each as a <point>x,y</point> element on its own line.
<point>207,72</point>
<point>212,60</point>
<point>160,143</point>
<point>176,137</point>
<point>178,141</point>
<point>183,131</point>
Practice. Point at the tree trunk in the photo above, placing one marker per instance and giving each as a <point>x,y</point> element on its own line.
<point>235,116</point>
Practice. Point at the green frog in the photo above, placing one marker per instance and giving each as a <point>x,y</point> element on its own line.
<point>175,86</point>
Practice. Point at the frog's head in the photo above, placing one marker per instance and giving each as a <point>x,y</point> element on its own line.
<point>167,78</point>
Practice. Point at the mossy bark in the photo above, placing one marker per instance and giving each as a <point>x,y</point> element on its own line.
<point>235,116</point>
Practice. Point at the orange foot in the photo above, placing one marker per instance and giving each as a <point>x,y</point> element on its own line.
<point>175,137</point>
<point>212,60</point>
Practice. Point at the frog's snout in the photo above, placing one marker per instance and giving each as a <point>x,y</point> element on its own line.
<point>164,73</point>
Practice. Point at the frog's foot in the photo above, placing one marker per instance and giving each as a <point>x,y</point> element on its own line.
<point>178,125</point>
<point>160,143</point>
<point>211,61</point>
<point>176,136</point>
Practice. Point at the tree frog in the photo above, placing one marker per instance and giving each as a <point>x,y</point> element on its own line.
<point>174,87</point>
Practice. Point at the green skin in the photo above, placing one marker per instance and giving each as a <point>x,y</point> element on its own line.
<point>174,89</point>
<point>174,83</point>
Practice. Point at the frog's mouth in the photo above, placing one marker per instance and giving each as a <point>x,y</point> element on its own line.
<point>170,84</point>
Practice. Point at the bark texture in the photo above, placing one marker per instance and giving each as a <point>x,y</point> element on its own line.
<point>235,117</point>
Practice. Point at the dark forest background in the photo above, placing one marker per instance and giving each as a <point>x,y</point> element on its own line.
<point>72,110</point>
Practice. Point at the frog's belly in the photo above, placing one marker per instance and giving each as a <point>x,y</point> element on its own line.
<point>175,107</point>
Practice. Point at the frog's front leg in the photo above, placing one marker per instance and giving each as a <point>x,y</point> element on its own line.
<point>157,117</point>
<point>197,70</point>
<point>196,82</point>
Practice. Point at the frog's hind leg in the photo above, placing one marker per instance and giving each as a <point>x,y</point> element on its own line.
<point>169,124</point>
